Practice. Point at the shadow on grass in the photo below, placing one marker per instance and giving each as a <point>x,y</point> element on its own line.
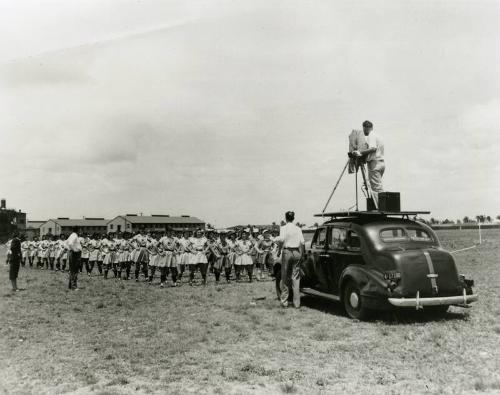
<point>412,317</point>
<point>392,317</point>
<point>323,305</point>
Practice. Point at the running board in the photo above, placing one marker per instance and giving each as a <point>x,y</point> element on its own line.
<point>313,292</point>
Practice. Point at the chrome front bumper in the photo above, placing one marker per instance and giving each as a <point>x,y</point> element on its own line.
<point>419,302</point>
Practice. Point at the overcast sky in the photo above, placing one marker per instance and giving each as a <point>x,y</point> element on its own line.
<point>236,111</point>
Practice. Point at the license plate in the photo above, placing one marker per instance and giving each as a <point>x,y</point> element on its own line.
<point>392,275</point>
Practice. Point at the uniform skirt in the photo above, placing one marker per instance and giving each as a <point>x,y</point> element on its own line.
<point>266,257</point>
<point>198,257</point>
<point>171,259</point>
<point>161,261</point>
<point>94,255</point>
<point>223,262</point>
<point>110,258</point>
<point>243,260</point>
<point>153,260</point>
<point>134,254</point>
<point>142,256</point>
<point>183,258</point>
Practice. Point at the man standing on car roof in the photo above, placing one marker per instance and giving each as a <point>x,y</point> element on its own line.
<point>292,243</point>
<point>374,156</point>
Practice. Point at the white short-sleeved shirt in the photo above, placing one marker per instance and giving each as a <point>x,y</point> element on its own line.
<point>73,242</point>
<point>373,140</point>
<point>291,236</point>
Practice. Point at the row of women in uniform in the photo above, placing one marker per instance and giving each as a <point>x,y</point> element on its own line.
<point>167,253</point>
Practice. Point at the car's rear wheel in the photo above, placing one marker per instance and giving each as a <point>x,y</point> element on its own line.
<point>353,303</point>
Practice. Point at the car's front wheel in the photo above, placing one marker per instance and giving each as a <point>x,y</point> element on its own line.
<point>353,303</point>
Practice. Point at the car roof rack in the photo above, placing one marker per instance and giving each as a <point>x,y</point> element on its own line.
<point>372,213</point>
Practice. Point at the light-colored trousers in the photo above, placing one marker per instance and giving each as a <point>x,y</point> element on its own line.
<point>290,276</point>
<point>376,169</point>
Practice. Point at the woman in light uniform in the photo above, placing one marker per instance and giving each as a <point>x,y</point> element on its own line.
<point>94,247</point>
<point>141,262</point>
<point>62,257</point>
<point>231,241</point>
<point>126,258</point>
<point>243,259</point>
<point>32,251</point>
<point>43,253</point>
<point>222,251</point>
<point>264,249</point>
<point>153,258</point>
<point>198,258</point>
<point>52,251</point>
<point>182,253</point>
<point>24,251</point>
<point>161,263</point>
<point>107,258</point>
<point>84,260</point>
<point>170,247</point>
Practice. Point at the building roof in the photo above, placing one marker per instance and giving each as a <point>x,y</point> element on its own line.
<point>80,222</point>
<point>34,224</point>
<point>163,219</point>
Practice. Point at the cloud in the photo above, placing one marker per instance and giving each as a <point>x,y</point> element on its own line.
<point>245,111</point>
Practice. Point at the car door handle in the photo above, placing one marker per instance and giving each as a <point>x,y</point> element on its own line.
<point>324,255</point>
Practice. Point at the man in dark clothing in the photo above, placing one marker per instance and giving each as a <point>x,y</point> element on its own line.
<point>74,256</point>
<point>15,261</point>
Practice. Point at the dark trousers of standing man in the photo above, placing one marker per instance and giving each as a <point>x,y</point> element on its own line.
<point>290,275</point>
<point>74,267</point>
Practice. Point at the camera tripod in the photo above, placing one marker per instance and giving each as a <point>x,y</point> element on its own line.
<point>360,166</point>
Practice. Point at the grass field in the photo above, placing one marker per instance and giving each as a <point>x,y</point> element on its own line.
<point>116,337</point>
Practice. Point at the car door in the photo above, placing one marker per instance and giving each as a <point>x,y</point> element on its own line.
<point>344,250</point>
<point>320,258</point>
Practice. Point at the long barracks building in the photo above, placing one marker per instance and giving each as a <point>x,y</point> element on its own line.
<point>153,223</point>
<point>58,226</point>
<point>129,223</point>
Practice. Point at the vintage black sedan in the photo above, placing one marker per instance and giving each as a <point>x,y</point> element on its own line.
<point>376,260</point>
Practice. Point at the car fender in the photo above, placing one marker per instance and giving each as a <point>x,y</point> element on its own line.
<point>371,282</point>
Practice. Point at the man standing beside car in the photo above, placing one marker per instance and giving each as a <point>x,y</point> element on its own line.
<point>291,241</point>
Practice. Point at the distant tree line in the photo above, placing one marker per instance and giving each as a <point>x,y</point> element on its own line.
<point>478,219</point>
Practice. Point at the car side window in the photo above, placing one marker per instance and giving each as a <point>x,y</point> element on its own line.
<point>353,241</point>
<point>393,234</point>
<point>322,237</point>
<point>419,235</point>
<point>319,238</point>
<point>338,238</point>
